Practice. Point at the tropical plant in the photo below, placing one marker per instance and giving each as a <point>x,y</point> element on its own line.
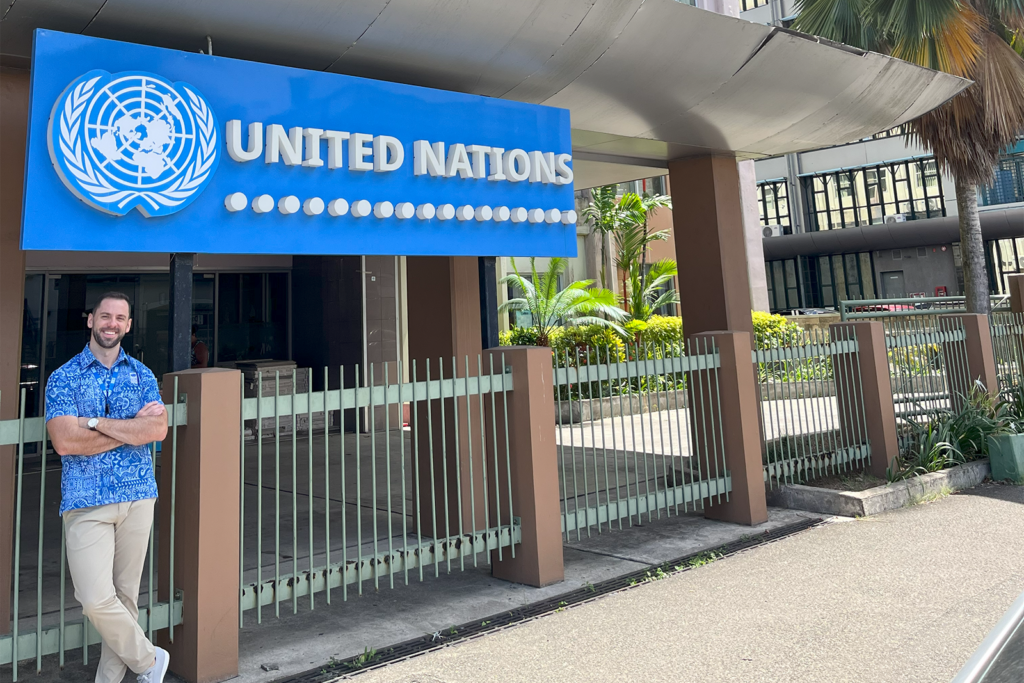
<point>549,307</point>
<point>603,215</point>
<point>982,40</point>
<point>645,295</point>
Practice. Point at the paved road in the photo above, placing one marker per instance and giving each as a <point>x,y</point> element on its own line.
<point>901,597</point>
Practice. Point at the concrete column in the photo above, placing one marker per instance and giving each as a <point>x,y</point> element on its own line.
<point>534,468</point>
<point>180,312</point>
<point>707,218</point>
<point>730,408</point>
<point>14,86</point>
<point>206,519</point>
<point>444,324</point>
<point>866,407</point>
<point>754,241</point>
<point>978,364</point>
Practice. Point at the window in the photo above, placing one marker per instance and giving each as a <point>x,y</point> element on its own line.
<point>865,196</point>
<point>1008,185</point>
<point>773,204</point>
<point>752,4</point>
<point>651,186</point>
<point>1003,258</point>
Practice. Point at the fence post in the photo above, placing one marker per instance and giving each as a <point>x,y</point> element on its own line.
<point>739,408</point>
<point>206,464</point>
<point>872,394</point>
<point>534,468</point>
<point>980,359</point>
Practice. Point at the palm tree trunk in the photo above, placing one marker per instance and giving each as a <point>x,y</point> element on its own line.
<point>604,257</point>
<point>972,248</point>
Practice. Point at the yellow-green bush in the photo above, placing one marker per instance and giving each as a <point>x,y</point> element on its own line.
<point>772,331</point>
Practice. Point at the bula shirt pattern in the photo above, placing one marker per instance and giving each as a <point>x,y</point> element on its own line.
<point>84,387</point>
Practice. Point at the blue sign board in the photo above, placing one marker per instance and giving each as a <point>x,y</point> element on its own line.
<point>137,148</point>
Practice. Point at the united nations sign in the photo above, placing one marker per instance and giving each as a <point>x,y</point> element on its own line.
<point>131,140</point>
<point>135,148</point>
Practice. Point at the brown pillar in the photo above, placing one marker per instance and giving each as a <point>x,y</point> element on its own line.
<point>864,392</point>
<point>205,647</point>
<point>1016,286</point>
<point>444,323</point>
<point>733,392</point>
<point>714,283</point>
<point>13,129</point>
<point>973,362</point>
<point>533,468</point>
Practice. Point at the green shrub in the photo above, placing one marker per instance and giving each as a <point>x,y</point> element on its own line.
<point>664,330</point>
<point>772,331</point>
<point>587,345</point>
<point>519,336</point>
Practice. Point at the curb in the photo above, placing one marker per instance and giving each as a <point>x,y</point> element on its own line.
<point>881,498</point>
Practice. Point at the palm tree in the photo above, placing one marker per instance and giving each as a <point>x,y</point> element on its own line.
<point>647,296</point>
<point>603,214</point>
<point>982,40</point>
<point>574,305</point>
<point>635,212</point>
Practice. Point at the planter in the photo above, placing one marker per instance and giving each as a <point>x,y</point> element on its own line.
<point>881,498</point>
<point>1006,453</point>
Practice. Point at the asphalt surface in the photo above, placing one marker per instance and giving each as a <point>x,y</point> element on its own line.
<point>905,596</point>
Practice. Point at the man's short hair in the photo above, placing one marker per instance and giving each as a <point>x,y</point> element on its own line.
<point>119,296</point>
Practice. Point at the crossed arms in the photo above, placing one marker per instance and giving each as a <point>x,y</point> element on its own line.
<point>70,435</point>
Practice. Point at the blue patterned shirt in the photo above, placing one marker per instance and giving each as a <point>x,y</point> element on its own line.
<point>84,387</point>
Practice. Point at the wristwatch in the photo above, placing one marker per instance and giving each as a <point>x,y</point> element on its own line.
<point>92,423</point>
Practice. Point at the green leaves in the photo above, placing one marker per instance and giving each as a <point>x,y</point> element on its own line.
<point>577,304</point>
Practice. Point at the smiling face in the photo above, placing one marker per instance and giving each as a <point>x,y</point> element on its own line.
<point>109,322</point>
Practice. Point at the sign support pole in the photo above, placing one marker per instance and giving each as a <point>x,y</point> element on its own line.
<point>180,318</point>
<point>488,302</point>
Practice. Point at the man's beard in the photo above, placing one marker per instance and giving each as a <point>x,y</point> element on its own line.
<point>106,343</point>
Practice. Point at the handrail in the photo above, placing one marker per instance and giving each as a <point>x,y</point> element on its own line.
<point>846,314</point>
<point>977,667</point>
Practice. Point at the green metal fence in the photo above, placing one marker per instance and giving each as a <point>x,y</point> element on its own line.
<point>1008,348</point>
<point>924,356</point>
<point>45,618</point>
<point>812,407</point>
<point>324,508</point>
<point>639,434</point>
<point>914,307</point>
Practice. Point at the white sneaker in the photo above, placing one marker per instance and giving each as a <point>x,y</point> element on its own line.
<point>156,673</point>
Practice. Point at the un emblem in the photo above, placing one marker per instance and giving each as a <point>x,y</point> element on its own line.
<point>133,139</point>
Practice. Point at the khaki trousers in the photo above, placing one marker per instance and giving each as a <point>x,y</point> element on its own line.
<point>107,547</point>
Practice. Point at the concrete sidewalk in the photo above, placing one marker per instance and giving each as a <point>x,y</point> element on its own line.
<point>905,596</point>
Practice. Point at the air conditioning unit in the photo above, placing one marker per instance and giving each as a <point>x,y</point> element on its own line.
<point>896,218</point>
<point>771,231</point>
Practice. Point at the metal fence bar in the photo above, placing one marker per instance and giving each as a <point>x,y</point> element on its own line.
<point>378,555</point>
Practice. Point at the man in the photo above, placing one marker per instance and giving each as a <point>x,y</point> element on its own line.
<point>103,408</point>
<point>200,354</point>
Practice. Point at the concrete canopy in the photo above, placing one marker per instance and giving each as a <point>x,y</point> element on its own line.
<point>646,81</point>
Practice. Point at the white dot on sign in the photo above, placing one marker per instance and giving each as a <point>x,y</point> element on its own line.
<point>289,204</point>
<point>337,207</point>
<point>405,210</point>
<point>446,212</point>
<point>483,213</point>
<point>569,217</point>
<point>501,213</point>
<point>425,212</point>
<point>361,208</point>
<point>536,215</point>
<point>263,204</point>
<point>552,215</point>
<point>518,215</point>
<point>236,201</point>
<point>314,206</point>
<point>383,209</point>
<point>464,212</point>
